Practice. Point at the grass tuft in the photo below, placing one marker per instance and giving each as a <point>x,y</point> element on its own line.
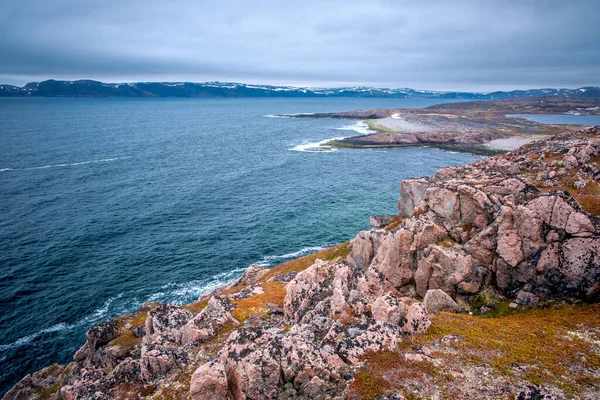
<point>542,340</point>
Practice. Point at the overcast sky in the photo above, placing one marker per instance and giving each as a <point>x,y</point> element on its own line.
<point>444,45</point>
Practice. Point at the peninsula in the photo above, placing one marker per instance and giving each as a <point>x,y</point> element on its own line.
<point>484,127</point>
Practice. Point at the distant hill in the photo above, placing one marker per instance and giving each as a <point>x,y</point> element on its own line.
<point>89,88</point>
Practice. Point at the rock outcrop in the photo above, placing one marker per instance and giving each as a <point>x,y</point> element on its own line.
<point>508,222</point>
<point>522,226</point>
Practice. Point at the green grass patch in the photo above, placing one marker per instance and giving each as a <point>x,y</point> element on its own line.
<point>375,125</point>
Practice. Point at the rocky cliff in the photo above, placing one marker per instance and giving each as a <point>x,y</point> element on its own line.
<point>395,313</point>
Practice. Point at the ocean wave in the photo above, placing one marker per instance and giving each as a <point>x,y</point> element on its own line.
<point>75,164</point>
<point>30,338</point>
<point>267,260</point>
<point>359,127</point>
<point>98,315</point>
<point>181,293</point>
<point>317,147</point>
<point>103,160</point>
<point>276,116</point>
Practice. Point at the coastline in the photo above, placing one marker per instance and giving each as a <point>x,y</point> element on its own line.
<point>476,127</point>
<point>210,349</point>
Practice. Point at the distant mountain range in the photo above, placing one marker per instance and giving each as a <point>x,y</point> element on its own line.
<point>89,88</point>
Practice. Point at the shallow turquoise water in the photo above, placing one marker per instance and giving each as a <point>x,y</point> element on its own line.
<point>109,203</point>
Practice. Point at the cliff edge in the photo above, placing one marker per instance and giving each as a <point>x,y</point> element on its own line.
<point>483,286</point>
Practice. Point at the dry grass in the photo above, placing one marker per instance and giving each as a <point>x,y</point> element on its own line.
<point>123,344</point>
<point>257,305</point>
<point>300,264</point>
<point>448,242</point>
<point>396,222</point>
<point>539,340</point>
<point>589,202</point>
<point>388,371</point>
<point>197,306</point>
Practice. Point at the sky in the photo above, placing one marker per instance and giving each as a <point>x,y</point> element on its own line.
<point>435,45</point>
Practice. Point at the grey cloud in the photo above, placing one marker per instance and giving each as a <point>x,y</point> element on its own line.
<point>467,45</point>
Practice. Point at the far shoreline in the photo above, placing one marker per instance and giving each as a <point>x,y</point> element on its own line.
<point>478,127</point>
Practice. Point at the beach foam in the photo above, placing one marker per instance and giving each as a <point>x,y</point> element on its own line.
<point>359,127</point>
<point>316,147</point>
<point>268,260</point>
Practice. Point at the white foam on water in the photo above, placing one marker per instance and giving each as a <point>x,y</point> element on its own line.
<point>359,127</point>
<point>276,116</point>
<point>396,116</point>
<point>30,338</point>
<point>103,160</point>
<point>180,293</point>
<point>317,147</point>
<point>177,293</point>
<point>76,163</point>
<point>97,316</point>
<point>268,260</point>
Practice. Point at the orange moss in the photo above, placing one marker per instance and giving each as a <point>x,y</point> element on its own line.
<point>549,157</point>
<point>300,264</point>
<point>368,385</point>
<point>417,213</point>
<point>123,344</point>
<point>387,370</point>
<point>274,293</point>
<point>197,306</point>
<point>138,320</point>
<point>396,222</point>
<point>590,203</point>
<point>448,242</point>
<point>543,340</point>
<point>131,391</point>
<point>215,343</point>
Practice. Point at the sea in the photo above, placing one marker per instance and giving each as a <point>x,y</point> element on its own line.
<point>106,204</point>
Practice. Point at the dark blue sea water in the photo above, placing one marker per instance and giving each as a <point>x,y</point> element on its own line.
<point>109,203</point>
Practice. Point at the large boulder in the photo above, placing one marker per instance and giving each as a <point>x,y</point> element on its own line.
<point>166,317</point>
<point>365,245</point>
<point>308,288</point>
<point>447,268</point>
<point>438,300</point>
<point>395,259</point>
<point>412,192</point>
<point>208,322</point>
<point>389,309</point>
<point>209,382</point>
<point>444,202</point>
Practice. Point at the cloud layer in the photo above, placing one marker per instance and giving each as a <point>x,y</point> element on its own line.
<point>466,45</point>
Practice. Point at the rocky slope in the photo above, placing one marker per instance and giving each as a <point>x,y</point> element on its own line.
<point>387,315</point>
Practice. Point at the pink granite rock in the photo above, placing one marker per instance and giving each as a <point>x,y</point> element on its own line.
<point>207,323</point>
<point>209,382</point>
